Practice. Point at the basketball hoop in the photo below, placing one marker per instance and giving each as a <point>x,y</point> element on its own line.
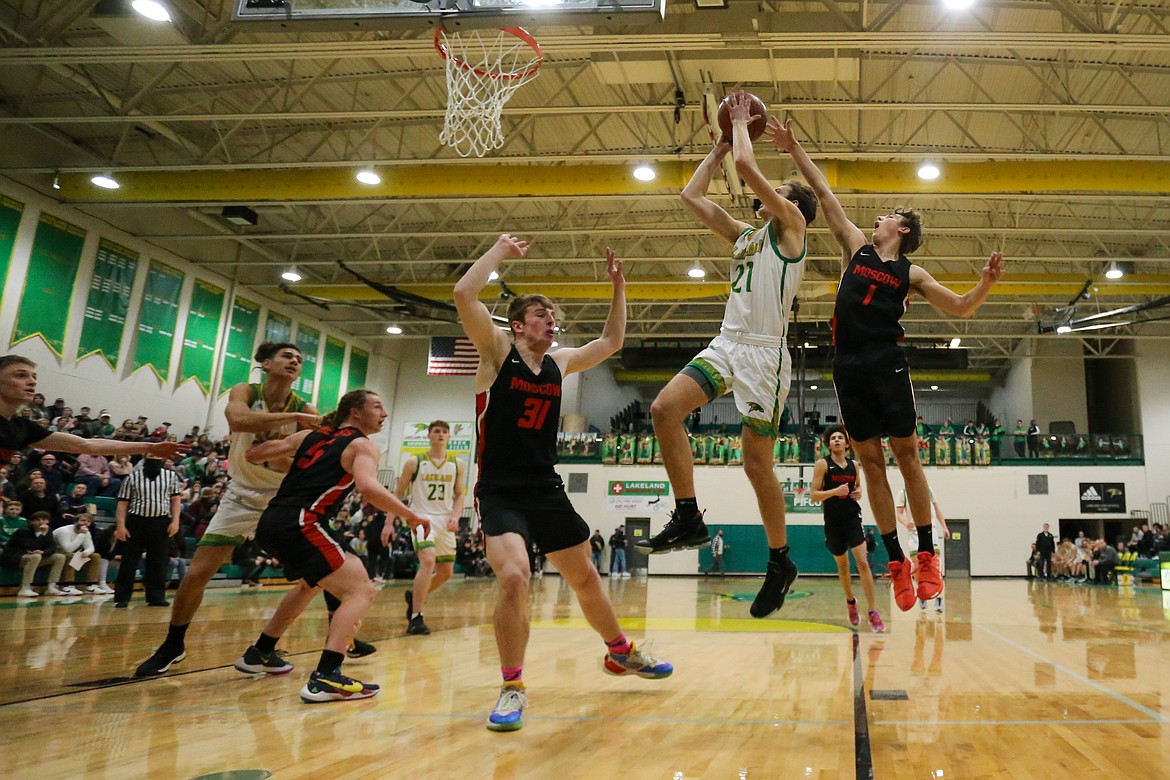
<point>484,69</point>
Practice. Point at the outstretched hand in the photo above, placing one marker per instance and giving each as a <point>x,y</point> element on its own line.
<point>781,134</point>
<point>514,247</point>
<point>994,268</point>
<point>740,108</point>
<point>613,267</point>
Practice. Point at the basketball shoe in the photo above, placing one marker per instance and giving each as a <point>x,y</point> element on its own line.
<point>875,622</point>
<point>360,649</point>
<point>854,618</point>
<point>256,662</point>
<point>636,662</point>
<point>676,535</point>
<point>160,662</point>
<point>508,714</point>
<point>417,626</point>
<point>778,580</point>
<point>335,686</point>
<point>903,582</point>
<point>930,582</point>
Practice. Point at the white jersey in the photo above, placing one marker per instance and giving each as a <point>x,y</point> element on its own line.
<point>432,491</point>
<point>763,284</point>
<point>257,476</point>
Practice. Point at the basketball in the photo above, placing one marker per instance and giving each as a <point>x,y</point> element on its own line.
<point>755,129</point>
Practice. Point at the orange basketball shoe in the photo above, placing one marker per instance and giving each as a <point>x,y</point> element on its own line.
<point>930,581</point>
<point>903,582</point>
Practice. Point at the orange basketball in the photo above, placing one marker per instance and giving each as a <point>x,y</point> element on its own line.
<point>755,129</point>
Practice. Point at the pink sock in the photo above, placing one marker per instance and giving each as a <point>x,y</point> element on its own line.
<point>620,645</point>
<point>512,673</point>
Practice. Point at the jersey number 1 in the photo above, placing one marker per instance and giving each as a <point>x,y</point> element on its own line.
<point>535,410</point>
<point>869,295</point>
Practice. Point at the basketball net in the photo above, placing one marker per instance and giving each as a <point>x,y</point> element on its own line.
<point>484,69</point>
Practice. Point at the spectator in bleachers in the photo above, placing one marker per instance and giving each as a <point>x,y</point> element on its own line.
<point>1019,437</point>
<point>1032,565</point>
<point>1146,544</point>
<point>1063,560</point>
<point>126,431</point>
<point>38,499</point>
<point>1033,436</point>
<point>140,428</point>
<point>94,472</point>
<point>12,520</point>
<point>7,489</point>
<point>75,539</point>
<point>180,559</point>
<point>55,476</point>
<point>73,505</point>
<point>82,419</point>
<point>121,466</point>
<point>361,548</point>
<point>101,428</point>
<point>29,549</point>
<point>36,407</point>
<point>210,473</point>
<point>64,422</point>
<point>161,432</point>
<point>57,409</point>
<point>253,561</point>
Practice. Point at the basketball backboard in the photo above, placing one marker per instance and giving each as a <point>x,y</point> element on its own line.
<point>387,14</point>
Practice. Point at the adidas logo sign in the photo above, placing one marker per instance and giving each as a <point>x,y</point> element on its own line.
<point>1091,494</point>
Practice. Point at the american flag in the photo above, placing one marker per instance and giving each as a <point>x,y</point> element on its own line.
<point>451,356</point>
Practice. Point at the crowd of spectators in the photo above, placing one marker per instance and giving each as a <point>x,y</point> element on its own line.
<point>48,512</point>
<point>1082,559</point>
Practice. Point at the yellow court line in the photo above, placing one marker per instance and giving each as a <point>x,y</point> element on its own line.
<point>705,624</point>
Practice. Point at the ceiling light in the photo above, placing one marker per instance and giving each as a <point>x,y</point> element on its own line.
<point>493,276</point>
<point>928,171</point>
<point>394,330</point>
<point>368,177</point>
<point>1114,271</point>
<point>934,387</point>
<point>696,273</point>
<point>807,345</point>
<point>291,275</point>
<point>812,387</point>
<point>955,342</point>
<point>152,9</point>
<point>958,5</point>
<point>56,182</point>
<point>105,182</point>
<point>644,173</point>
<point>1064,329</point>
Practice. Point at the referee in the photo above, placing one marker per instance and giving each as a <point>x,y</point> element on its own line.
<point>148,513</point>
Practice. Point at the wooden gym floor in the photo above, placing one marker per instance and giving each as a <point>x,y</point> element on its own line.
<point>1015,680</point>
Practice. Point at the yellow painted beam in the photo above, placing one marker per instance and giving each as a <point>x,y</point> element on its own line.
<point>664,375</point>
<point>558,288</point>
<point>487,180</point>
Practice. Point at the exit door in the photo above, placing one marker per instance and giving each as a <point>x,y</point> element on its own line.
<point>957,549</point>
<point>637,529</point>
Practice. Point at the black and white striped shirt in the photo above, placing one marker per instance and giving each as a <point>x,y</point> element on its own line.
<point>150,497</point>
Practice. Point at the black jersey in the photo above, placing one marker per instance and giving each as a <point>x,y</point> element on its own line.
<point>517,419</point>
<point>16,434</point>
<point>317,482</point>
<point>871,299</point>
<point>836,508</point>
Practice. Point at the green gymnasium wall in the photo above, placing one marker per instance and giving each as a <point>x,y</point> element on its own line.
<point>746,550</point>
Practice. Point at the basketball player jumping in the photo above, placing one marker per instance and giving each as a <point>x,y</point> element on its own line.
<point>870,371</point>
<point>748,358</point>
<point>435,484</point>
<point>519,495</point>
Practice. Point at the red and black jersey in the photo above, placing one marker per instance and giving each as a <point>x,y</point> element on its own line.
<point>838,508</point>
<point>317,482</point>
<point>517,420</point>
<point>871,299</point>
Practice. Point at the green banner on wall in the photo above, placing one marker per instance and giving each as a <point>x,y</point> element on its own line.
<point>109,300</point>
<point>157,317</point>
<point>359,364</point>
<point>277,328</point>
<point>331,374</point>
<point>198,358</point>
<point>48,288</point>
<point>237,358</point>
<point>309,341</point>
<point>10,211</point>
